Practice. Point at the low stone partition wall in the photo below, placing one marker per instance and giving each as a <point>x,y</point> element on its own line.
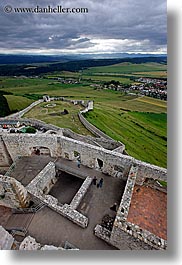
<point>81,193</point>
<point>41,185</point>
<point>74,216</point>
<point>126,198</point>
<point>65,210</point>
<point>44,181</point>
<point>102,233</point>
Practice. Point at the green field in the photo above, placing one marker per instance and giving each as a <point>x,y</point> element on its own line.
<point>52,115</point>
<point>128,68</point>
<point>17,102</point>
<point>123,72</point>
<point>139,122</point>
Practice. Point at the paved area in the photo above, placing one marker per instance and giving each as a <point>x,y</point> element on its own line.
<point>66,187</point>
<point>27,168</point>
<point>5,214</point>
<point>148,209</point>
<point>49,227</point>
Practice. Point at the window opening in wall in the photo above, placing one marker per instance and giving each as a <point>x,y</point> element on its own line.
<point>122,210</point>
<point>66,155</point>
<point>76,154</point>
<point>100,163</point>
<point>128,228</point>
<point>118,168</point>
<point>40,150</point>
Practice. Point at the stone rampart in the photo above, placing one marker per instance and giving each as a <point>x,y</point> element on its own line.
<point>109,162</point>
<point>94,130</point>
<point>97,141</point>
<point>22,112</point>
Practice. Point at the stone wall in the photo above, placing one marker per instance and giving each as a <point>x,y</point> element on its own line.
<point>29,243</point>
<point>22,144</point>
<point>111,160</point>
<point>97,141</point>
<point>121,224</point>
<point>113,163</point>
<point>40,186</point>
<point>6,240</point>
<point>44,181</point>
<point>81,193</point>
<point>5,159</point>
<point>22,112</point>
<point>12,193</point>
<point>94,130</point>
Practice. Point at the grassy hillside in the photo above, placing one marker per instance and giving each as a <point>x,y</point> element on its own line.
<point>127,70</point>
<point>144,134</point>
<point>17,103</point>
<point>53,115</point>
<point>139,122</point>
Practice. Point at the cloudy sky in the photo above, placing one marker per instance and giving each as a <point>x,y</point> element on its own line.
<point>110,26</point>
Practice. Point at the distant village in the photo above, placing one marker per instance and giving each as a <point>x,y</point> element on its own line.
<point>151,87</point>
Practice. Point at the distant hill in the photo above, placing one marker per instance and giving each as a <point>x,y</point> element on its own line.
<point>72,65</point>
<point>32,59</point>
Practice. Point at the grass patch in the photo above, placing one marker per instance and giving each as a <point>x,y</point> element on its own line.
<point>139,122</point>
<point>53,115</point>
<point>140,132</point>
<point>17,103</point>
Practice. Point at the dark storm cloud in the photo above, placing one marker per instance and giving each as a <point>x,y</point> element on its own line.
<point>131,25</point>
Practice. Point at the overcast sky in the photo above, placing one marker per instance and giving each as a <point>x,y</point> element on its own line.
<point>109,26</point>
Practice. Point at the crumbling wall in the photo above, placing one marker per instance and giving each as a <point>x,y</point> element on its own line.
<point>121,224</point>
<point>44,181</point>
<point>12,193</point>
<point>109,162</point>
<point>21,144</point>
<point>6,240</point>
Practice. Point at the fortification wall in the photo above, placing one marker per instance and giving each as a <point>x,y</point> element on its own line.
<point>109,162</point>
<point>22,144</point>
<point>94,130</point>
<point>22,112</point>
<point>112,161</point>
<point>97,141</point>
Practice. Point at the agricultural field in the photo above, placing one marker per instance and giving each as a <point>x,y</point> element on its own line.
<point>17,103</point>
<point>129,68</point>
<point>139,122</point>
<point>123,72</point>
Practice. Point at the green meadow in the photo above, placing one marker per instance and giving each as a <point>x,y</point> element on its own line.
<point>139,122</point>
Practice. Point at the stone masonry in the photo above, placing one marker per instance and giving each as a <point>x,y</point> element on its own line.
<point>12,193</point>
<point>40,186</point>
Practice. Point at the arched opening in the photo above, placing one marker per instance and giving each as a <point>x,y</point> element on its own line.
<point>40,150</point>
